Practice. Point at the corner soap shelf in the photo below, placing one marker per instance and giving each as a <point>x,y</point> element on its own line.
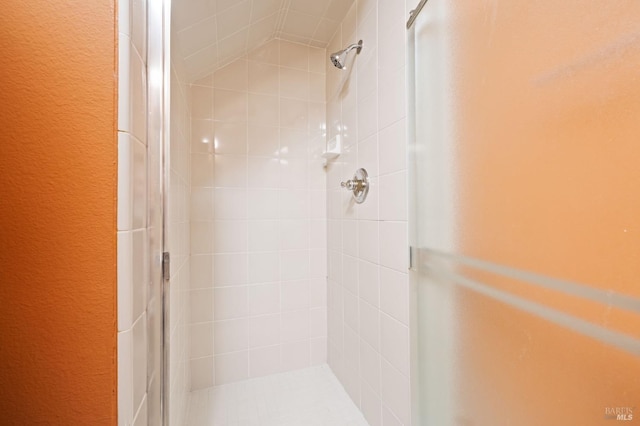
<point>333,149</point>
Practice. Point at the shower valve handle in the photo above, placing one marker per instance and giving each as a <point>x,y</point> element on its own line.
<point>359,185</point>
<point>352,185</point>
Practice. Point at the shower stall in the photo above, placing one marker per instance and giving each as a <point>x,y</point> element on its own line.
<point>276,270</point>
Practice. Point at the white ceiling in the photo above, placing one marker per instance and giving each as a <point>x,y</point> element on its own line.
<point>212,33</point>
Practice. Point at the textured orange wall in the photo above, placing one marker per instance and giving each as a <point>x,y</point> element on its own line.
<point>58,212</point>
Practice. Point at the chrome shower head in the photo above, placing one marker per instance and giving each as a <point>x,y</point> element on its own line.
<point>339,59</point>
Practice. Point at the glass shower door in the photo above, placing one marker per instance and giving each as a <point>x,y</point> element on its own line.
<point>525,212</point>
<point>158,298</point>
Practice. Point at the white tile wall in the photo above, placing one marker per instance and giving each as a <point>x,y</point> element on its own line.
<point>133,258</point>
<point>125,377</point>
<point>368,304</point>
<point>259,300</point>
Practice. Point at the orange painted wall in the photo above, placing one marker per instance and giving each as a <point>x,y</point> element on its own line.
<point>58,212</point>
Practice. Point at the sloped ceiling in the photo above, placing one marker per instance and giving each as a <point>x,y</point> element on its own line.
<point>209,34</point>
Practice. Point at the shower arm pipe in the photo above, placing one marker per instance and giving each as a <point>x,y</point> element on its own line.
<point>357,46</point>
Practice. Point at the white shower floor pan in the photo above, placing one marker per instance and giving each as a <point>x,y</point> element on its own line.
<point>308,397</point>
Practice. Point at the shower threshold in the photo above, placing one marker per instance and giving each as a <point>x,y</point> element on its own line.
<point>308,397</point>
